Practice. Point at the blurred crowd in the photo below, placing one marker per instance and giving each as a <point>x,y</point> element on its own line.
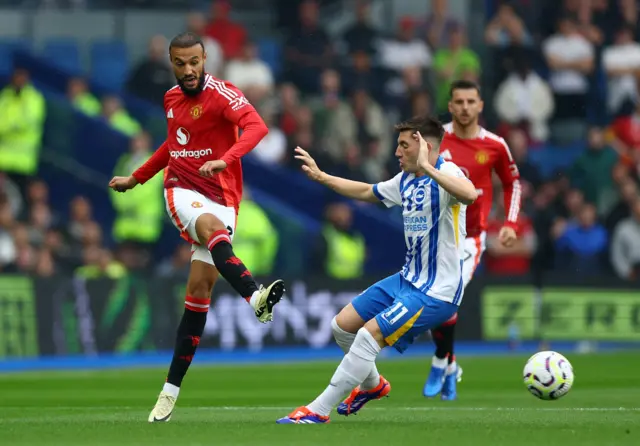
<point>560,74</point>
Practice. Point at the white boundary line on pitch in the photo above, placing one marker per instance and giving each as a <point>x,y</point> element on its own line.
<point>453,409</point>
<point>405,408</point>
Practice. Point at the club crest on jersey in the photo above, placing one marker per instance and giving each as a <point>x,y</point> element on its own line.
<point>196,204</point>
<point>482,157</point>
<point>419,195</point>
<point>183,136</point>
<point>196,111</point>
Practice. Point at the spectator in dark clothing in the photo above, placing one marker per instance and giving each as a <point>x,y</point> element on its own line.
<point>308,50</point>
<point>152,77</point>
<point>530,176</point>
<point>360,74</point>
<point>437,27</point>
<point>628,194</point>
<point>543,217</point>
<point>592,172</point>
<point>361,36</point>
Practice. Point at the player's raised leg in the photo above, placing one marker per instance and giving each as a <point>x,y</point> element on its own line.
<point>214,234</point>
<point>202,277</point>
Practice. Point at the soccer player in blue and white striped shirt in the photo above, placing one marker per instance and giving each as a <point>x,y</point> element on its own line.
<point>393,312</point>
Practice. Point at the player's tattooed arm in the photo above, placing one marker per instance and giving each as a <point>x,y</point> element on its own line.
<point>348,188</point>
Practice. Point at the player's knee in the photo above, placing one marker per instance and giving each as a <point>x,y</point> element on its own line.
<point>349,320</point>
<point>373,329</point>
<point>207,225</point>
<point>343,338</point>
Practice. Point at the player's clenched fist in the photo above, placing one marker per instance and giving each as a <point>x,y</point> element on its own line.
<point>507,236</point>
<point>123,184</point>
<point>309,165</point>
<point>210,168</point>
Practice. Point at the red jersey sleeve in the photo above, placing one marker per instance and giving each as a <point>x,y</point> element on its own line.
<point>158,161</point>
<point>237,110</point>
<point>507,170</point>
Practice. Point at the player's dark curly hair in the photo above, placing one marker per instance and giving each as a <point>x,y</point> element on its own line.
<point>186,40</point>
<point>428,126</point>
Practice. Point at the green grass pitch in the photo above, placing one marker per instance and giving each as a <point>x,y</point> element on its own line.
<point>227,405</point>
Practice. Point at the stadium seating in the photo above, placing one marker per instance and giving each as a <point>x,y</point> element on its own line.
<point>270,51</point>
<point>64,53</point>
<point>7,49</point>
<point>109,63</point>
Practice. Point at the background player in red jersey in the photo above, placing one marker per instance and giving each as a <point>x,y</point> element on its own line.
<point>478,153</point>
<point>203,189</point>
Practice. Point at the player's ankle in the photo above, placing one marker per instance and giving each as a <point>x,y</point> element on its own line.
<point>171,389</point>
<point>452,368</point>
<point>253,299</point>
<point>440,363</point>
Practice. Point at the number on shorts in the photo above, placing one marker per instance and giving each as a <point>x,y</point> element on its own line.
<point>398,309</point>
<point>230,229</point>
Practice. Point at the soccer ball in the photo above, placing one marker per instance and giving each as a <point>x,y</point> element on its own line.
<point>548,375</point>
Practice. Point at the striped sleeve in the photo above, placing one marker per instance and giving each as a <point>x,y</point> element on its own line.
<point>507,170</point>
<point>238,111</point>
<point>388,191</point>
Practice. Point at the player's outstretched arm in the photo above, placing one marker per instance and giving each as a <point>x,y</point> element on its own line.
<point>348,188</point>
<point>144,173</point>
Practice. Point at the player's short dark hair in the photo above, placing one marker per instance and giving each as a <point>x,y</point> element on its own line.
<point>463,84</point>
<point>428,126</point>
<point>186,40</point>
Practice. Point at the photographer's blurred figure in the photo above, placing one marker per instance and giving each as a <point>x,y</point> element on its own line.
<point>22,114</point>
<point>340,252</point>
<point>256,240</point>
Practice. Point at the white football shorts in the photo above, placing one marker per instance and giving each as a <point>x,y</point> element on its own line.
<point>474,247</point>
<point>184,206</point>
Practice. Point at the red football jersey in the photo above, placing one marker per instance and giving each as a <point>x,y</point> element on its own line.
<point>204,128</point>
<point>477,158</point>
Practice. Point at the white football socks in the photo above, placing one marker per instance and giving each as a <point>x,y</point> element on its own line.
<point>170,389</point>
<point>439,363</point>
<point>452,368</point>
<point>354,368</point>
<point>344,339</point>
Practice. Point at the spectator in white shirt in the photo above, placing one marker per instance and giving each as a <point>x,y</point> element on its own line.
<point>405,51</point>
<point>273,147</point>
<point>570,58</point>
<point>250,74</point>
<point>621,62</point>
<point>524,97</point>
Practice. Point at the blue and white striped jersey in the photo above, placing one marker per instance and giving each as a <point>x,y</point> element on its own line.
<point>434,231</point>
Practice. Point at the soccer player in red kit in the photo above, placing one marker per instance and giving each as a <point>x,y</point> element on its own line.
<point>478,153</point>
<point>203,189</point>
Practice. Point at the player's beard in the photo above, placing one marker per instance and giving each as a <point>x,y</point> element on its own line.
<point>465,121</point>
<point>193,91</point>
